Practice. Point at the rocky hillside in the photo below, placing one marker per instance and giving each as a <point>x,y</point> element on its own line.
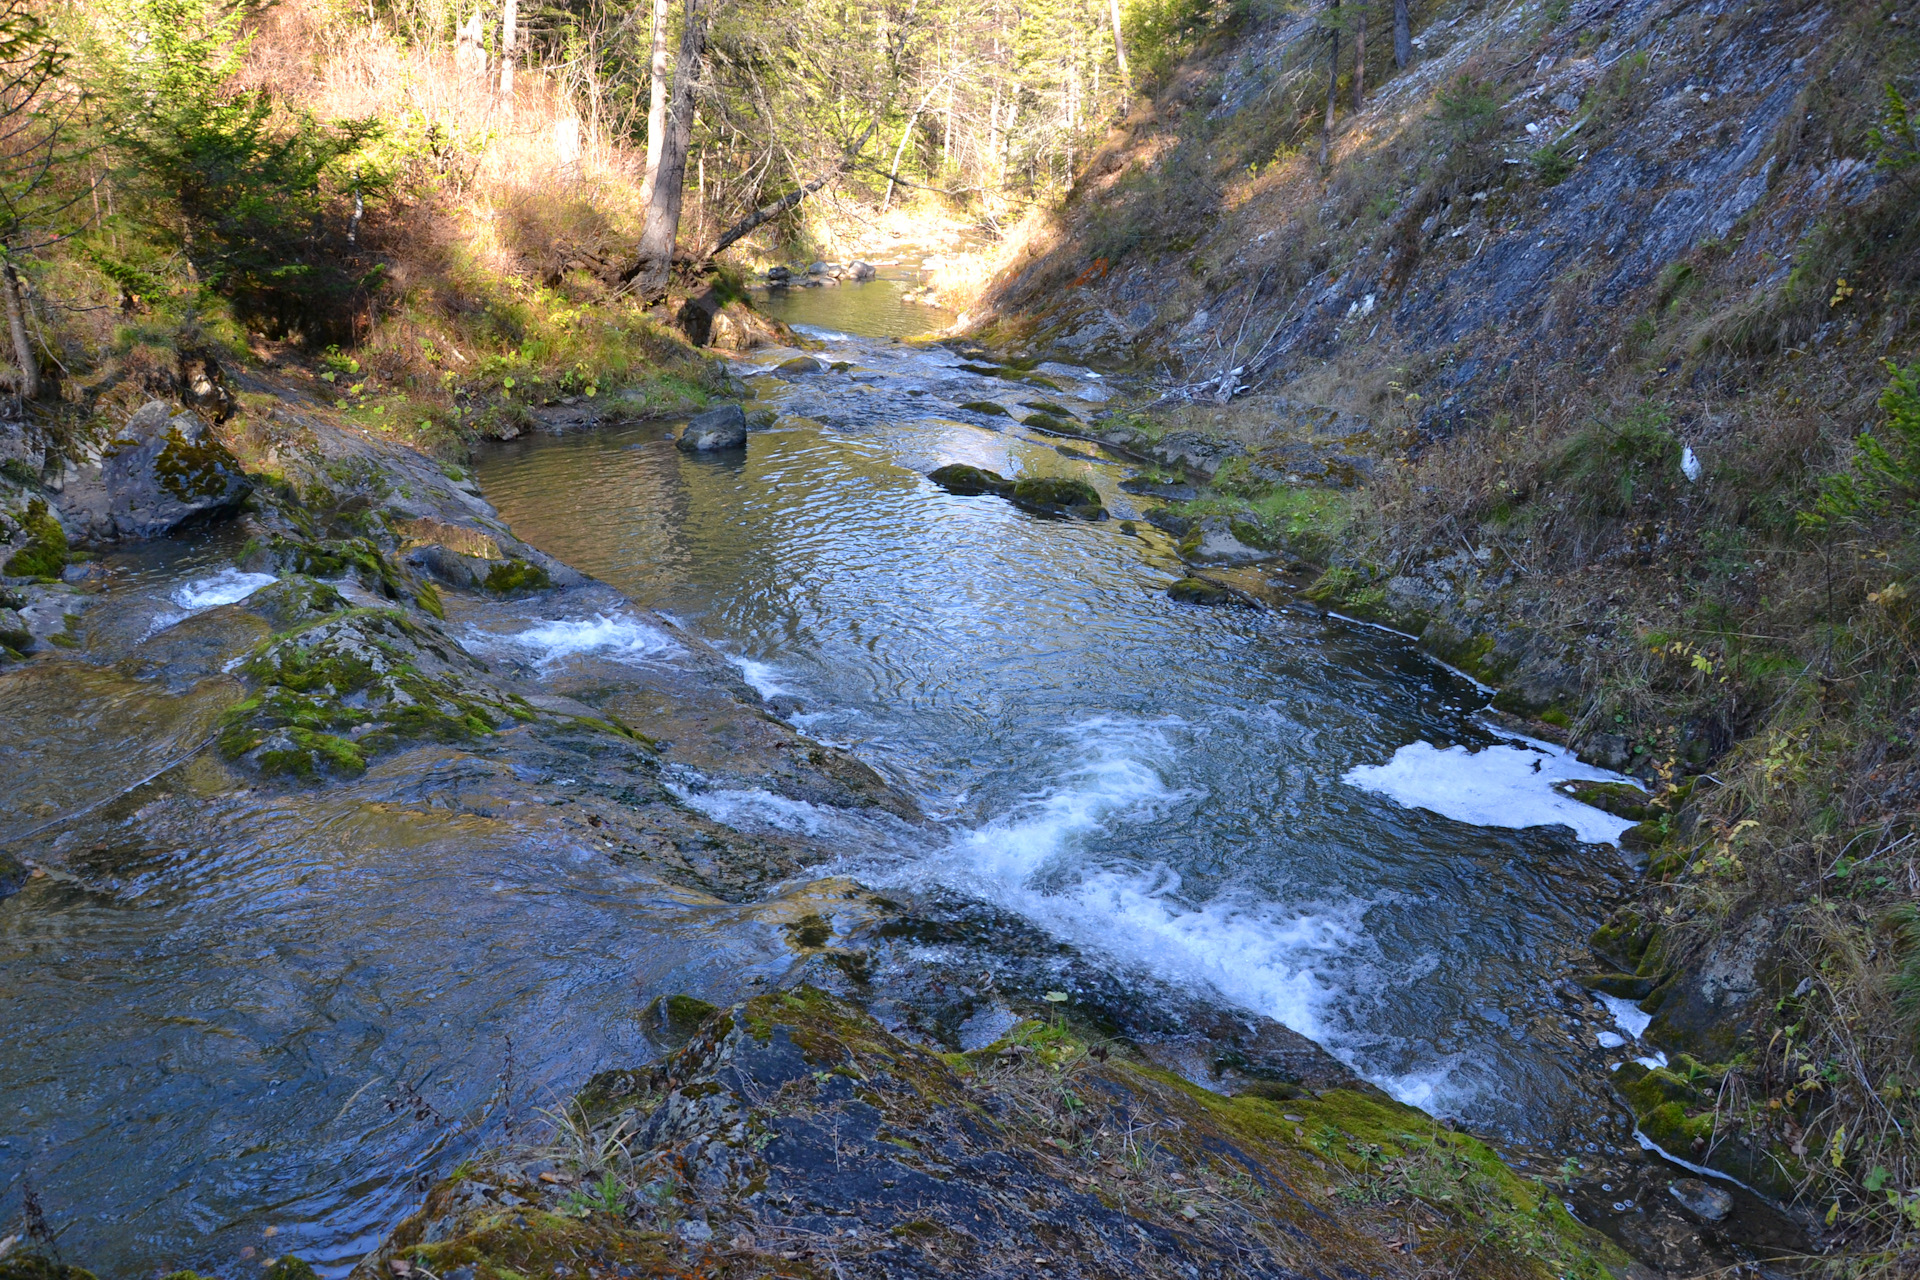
<point>1553,351</point>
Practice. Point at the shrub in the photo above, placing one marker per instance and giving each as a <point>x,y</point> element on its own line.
<point>1883,477</point>
<point>1609,467</point>
<point>1468,107</point>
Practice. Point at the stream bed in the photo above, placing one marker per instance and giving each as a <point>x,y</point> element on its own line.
<point>206,1023</point>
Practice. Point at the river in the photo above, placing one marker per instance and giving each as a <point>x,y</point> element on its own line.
<point>208,1008</point>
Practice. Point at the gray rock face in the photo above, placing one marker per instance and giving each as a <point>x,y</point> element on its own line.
<point>722,428</point>
<point>161,470</point>
<point>1701,1199</point>
<point>858,270</point>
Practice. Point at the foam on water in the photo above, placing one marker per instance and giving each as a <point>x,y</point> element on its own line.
<point>225,587</point>
<point>1626,1015</point>
<point>763,677</point>
<point>622,638</point>
<point>823,335</point>
<point>1271,959</point>
<point>1507,785</point>
<point>749,808</point>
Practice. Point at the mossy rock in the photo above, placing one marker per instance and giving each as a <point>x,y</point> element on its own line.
<point>30,1264</point>
<point>1056,496</point>
<point>1047,422</point>
<point>296,600</point>
<point>1051,409</point>
<point>1621,799</point>
<point>987,407</point>
<point>967,481</point>
<point>288,1267</point>
<point>509,576</point>
<point>1199,591</point>
<point>45,552</point>
<point>799,365</point>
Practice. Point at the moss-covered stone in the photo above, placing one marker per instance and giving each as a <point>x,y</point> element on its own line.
<point>800,1108</point>
<point>967,481</point>
<point>289,1267</point>
<point>44,554</point>
<point>337,691</point>
<point>1621,799</point>
<point>1056,496</point>
<point>1199,591</point>
<point>512,575</point>
<point>987,407</point>
<point>30,1264</point>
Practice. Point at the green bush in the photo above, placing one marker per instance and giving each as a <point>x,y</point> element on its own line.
<point>1883,476</point>
<point>255,193</point>
<point>1468,107</point>
<point>1611,466</point>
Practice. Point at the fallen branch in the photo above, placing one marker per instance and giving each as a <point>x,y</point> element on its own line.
<point>767,213</point>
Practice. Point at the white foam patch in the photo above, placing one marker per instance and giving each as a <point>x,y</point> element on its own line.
<point>824,335</point>
<point>225,587</point>
<point>1271,959</point>
<point>1499,786</point>
<point>750,808</point>
<point>619,637</point>
<point>1626,1015</point>
<point>763,677</point>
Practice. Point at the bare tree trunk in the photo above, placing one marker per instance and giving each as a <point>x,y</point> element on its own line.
<point>509,27</point>
<point>27,385</point>
<point>1333,86</point>
<point>1360,60</point>
<point>1120,50</point>
<point>663,211</point>
<point>656,101</point>
<point>1402,35</point>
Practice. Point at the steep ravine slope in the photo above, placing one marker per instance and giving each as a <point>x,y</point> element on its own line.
<point>1558,363</point>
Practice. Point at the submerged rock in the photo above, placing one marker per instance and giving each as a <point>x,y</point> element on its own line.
<point>966,481</point>
<point>1701,1199</point>
<point>161,470</point>
<point>716,429</point>
<point>1192,590</point>
<point>857,270</point>
<point>798,366</point>
<point>1053,496</point>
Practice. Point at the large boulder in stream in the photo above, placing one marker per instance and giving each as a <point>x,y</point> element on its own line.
<point>161,470</point>
<point>1053,496</point>
<point>715,430</point>
<point>967,481</point>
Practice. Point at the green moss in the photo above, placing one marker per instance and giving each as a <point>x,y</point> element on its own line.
<point>1047,422</point>
<point>45,552</point>
<point>1053,495</point>
<point>427,596</point>
<point>508,576</point>
<point>288,1267</point>
<point>987,407</point>
<point>1200,591</point>
<point>30,1264</point>
<point>194,471</point>
<point>966,481</point>
<point>1557,718</point>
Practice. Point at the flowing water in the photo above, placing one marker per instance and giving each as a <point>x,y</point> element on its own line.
<point>208,1010</point>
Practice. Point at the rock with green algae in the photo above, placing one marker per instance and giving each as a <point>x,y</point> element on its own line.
<point>161,469</point>
<point>40,548</point>
<point>966,481</point>
<point>336,691</point>
<point>31,1264</point>
<point>1199,591</point>
<point>795,1136</point>
<point>1056,496</point>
